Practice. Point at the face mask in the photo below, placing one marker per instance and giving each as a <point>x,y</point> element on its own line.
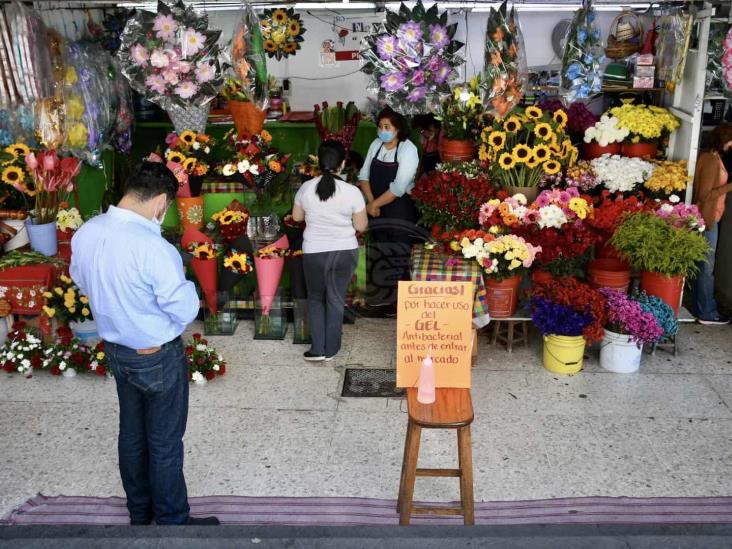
<point>159,220</point>
<point>386,136</point>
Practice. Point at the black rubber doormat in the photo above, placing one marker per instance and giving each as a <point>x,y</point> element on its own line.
<point>370,382</point>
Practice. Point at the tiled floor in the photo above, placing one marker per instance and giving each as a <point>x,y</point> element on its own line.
<point>276,425</point>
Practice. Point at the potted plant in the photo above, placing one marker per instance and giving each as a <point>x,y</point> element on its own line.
<point>627,329</point>
<point>568,313</point>
<point>462,118</point>
<point>647,125</point>
<point>604,137</point>
<point>664,252</point>
<point>668,178</point>
<point>66,303</point>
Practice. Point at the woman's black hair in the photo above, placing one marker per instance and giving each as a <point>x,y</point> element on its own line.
<point>718,138</point>
<point>397,120</point>
<point>331,154</point>
<point>150,179</point>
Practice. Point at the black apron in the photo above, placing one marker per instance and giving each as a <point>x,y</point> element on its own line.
<point>391,235</point>
<point>430,160</point>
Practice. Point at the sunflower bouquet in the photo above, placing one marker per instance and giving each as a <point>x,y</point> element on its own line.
<point>232,223</point>
<point>646,123</point>
<point>191,150</point>
<point>203,250</point>
<point>66,303</point>
<point>527,145</point>
<point>282,31</point>
<point>15,173</point>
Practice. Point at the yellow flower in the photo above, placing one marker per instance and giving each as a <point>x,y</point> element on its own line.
<point>512,124</point>
<point>84,299</point>
<point>560,117</point>
<point>100,356</point>
<point>49,311</point>
<point>293,27</point>
<point>188,137</point>
<point>542,153</point>
<point>534,112</point>
<point>72,310</point>
<point>13,175</point>
<point>71,77</point>
<point>533,162</point>
<point>544,131</point>
<point>77,136</point>
<point>175,156</point>
<point>279,16</point>
<point>264,134</point>
<point>74,108</point>
<point>47,295</point>
<point>189,164</point>
<point>483,153</point>
<point>497,140</point>
<point>506,161</point>
<point>579,206</point>
<point>521,152</point>
<point>551,167</point>
<point>85,311</point>
<point>58,291</point>
<point>18,150</point>
<point>270,46</point>
<point>279,36</point>
<point>65,279</point>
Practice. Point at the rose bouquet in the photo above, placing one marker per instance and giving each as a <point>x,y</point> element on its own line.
<point>412,58</point>
<point>646,123</point>
<point>66,302</point>
<point>525,146</point>
<point>668,178</point>
<point>583,56</point>
<point>204,362</point>
<point>22,350</point>
<point>505,72</point>
<point>625,316</point>
<point>620,173</point>
<point>449,197</point>
<point>461,113</point>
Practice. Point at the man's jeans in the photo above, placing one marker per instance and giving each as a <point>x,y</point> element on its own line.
<point>705,307</point>
<point>153,409</point>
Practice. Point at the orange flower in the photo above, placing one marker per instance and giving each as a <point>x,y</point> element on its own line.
<point>503,209</point>
<point>275,166</point>
<point>510,219</point>
<point>498,35</point>
<point>266,136</point>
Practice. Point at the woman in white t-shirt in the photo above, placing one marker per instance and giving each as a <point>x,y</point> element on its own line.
<point>333,211</point>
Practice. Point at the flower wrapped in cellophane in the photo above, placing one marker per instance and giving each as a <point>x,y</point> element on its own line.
<point>412,58</point>
<point>583,55</point>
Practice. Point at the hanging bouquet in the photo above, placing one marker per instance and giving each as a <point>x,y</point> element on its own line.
<point>171,57</point>
<point>606,131</point>
<point>579,117</point>
<point>66,302</point>
<point>582,176</point>
<point>412,58</point>
<point>282,31</point>
<point>620,173</point>
<point>583,56</point>
<point>53,177</point>
<point>625,316</point>
<point>646,123</point>
<point>338,123</point>
<point>22,351</point>
<point>525,146</point>
<point>204,362</point>
<point>568,307</point>
<point>507,256</point>
<point>191,150</point>
<point>461,113</point>
<point>249,64</point>
<point>450,196</point>
<point>668,177</point>
<point>505,73</point>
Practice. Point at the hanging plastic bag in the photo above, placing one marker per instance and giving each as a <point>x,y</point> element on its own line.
<point>672,46</point>
<point>583,56</point>
<point>727,62</point>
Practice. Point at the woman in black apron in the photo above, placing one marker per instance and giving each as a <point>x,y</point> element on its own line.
<point>387,179</point>
<point>429,133</point>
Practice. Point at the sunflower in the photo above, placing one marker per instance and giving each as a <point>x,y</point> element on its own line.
<point>533,162</point>
<point>270,46</point>
<point>542,153</point>
<point>551,167</point>
<point>293,27</point>
<point>521,153</point>
<point>189,164</point>
<point>188,137</point>
<point>497,139</point>
<point>13,175</point>
<point>560,117</point>
<point>175,156</point>
<point>512,125</point>
<point>506,161</point>
<point>290,47</point>
<point>544,131</point>
<point>534,112</point>
<point>204,251</point>
<point>239,263</point>
<point>279,16</point>
<point>226,218</point>
<point>18,150</point>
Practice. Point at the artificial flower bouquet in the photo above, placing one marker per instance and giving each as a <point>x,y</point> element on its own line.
<point>22,350</point>
<point>282,31</point>
<point>668,177</point>
<point>620,173</point>
<point>626,316</point>
<point>204,362</point>
<point>66,302</point>
<point>581,64</point>
<point>646,123</point>
<point>448,198</point>
<point>527,145</point>
<point>462,114</point>
<point>171,57</point>
<point>412,58</point>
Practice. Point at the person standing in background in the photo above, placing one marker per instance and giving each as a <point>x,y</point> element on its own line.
<point>142,302</point>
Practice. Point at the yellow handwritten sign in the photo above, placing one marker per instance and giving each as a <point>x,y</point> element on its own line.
<point>435,318</point>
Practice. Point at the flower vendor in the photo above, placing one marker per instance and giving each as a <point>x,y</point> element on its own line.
<point>333,210</point>
<point>711,185</point>
<point>387,179</point>
<point>429,131</point>
<point>142,302</point>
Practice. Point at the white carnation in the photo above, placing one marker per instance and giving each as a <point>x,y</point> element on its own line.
<point>621,174</point>
<point>197,377</point>
<point>606,131</point>
<point>216,368</point>
<point>200,347</point>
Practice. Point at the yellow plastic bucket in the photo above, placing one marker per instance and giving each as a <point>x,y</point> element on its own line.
<point>563,354</point>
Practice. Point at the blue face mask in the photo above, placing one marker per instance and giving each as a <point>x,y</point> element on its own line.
<point>386,136</point>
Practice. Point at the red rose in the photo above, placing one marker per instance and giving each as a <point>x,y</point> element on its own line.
<point>222,369</point>
<point>196,336</point>
<point>204,341</point>
<point>201,361</point>
<point>100,371</point>
<point>18,326</point>
<point>100,347</point>
<point>64,331</point>
<point>55,371</point>
<point>77,358</point>
<point>36,361</point>
<point>189,350</point>
<point>210,375</point>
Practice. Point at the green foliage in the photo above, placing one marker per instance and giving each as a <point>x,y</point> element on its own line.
<point>651,244</point>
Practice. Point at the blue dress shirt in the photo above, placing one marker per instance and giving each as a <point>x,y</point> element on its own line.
<point>134,280</point>
<point>408,159</point>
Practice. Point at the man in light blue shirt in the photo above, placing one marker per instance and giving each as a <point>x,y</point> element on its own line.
<point>142,302</point>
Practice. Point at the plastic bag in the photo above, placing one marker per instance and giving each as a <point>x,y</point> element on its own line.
<point>171,57</point>
<point>715,53</point>
<point>248,59</point>
<point>412,59</point>
<point>125,119</point>
<point>727,62</point>
<point>583,56</point>
<point>505,74</point>
<point>672,45</point>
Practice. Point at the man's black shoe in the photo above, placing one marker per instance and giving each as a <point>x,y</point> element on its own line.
<point>203,521</point>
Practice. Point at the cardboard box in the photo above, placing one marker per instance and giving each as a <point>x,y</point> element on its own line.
<point>646,59</point>
<point>645,70</point>
<point>643,82</point>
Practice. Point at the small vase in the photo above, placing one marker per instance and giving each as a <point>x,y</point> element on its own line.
<point>529,192</point>
<point>456,150</point>
<point>43,237</point>
<point>194,117</point>
<point>69,372</point>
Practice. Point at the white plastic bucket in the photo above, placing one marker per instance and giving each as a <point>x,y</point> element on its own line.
<point>86,331</point>
<point>619,354</point>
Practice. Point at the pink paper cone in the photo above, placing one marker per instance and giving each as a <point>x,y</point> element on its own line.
<point>206,271</point>
<point>269,273</point>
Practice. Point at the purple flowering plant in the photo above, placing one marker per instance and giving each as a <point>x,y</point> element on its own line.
<point>556,319</point>
<point>412,58</point>
<point>626,316</point>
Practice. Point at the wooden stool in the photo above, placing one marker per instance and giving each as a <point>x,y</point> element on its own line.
<point>452,409</point>
<point>504,332</point>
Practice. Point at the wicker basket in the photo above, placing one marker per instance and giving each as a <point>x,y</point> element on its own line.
<point>626,36</point>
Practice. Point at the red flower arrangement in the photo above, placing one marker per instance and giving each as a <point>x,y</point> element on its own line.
<point>609,210</point>
<point>204,363</point>
<point>579,297</point>
<point>565,251</point>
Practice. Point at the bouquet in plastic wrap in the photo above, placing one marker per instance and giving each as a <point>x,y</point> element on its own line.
<point>727,62</point>
<point>412,59</point>
<point>282,30</point>
<point>505,74</point>
<point>125,114</point>
<point>171,57</point>
<point>672,46</point>
<point>583,55</point>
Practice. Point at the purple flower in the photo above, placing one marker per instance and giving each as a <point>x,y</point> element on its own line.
<point>556,319</point>
<point>417,94</point>
<point>410,32</point>
<point>418,78</point>
<point>393,81</point>
<point>433,64</point>
<point>156,83</point>
<point>386,46</point>
<point>438,36</point>
<point>442,74</point>
<point>626,316</point>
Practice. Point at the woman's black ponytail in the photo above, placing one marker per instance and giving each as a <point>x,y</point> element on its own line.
<point>331,154</point>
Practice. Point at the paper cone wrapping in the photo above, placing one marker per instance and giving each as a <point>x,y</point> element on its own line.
<point>269,273</point>
<point>206,271</point>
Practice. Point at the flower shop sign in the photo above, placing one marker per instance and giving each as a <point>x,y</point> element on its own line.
<point>435,319</point>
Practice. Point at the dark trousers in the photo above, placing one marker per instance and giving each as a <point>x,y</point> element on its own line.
<point>388,258</point>
<point>327,275</point>
<point>153,409</point>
